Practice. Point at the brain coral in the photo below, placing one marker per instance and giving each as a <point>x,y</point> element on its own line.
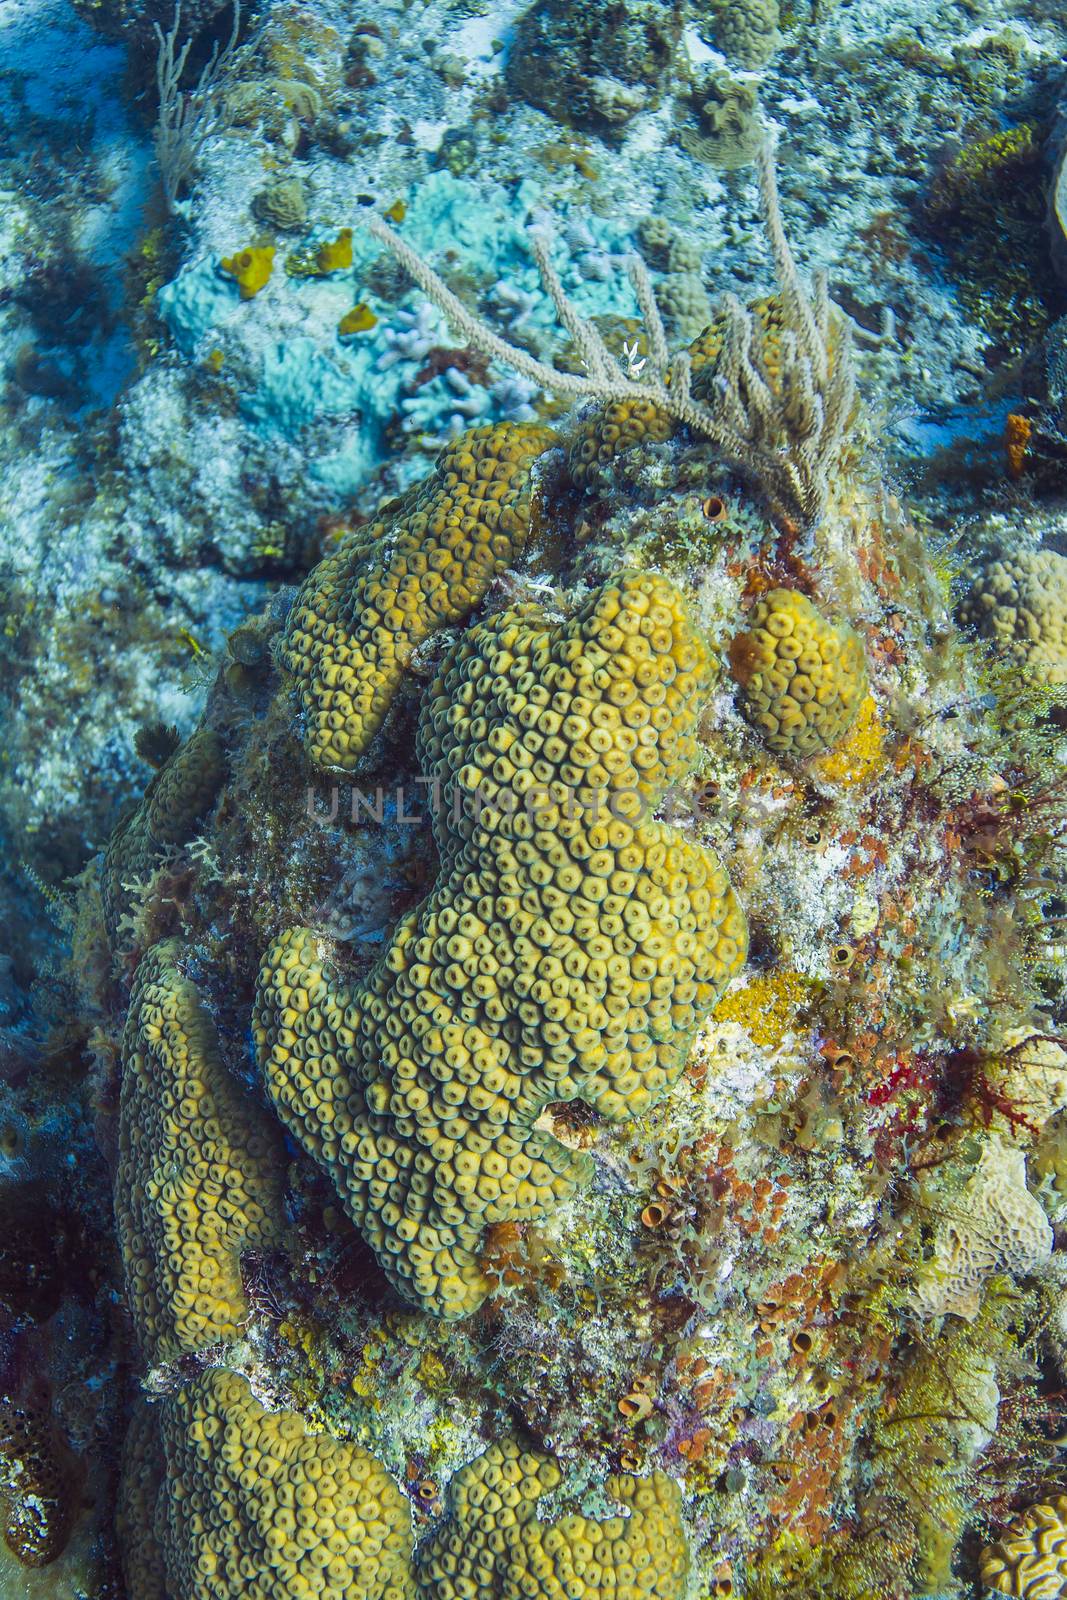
<point>257,1508</point>
<point>176,798</point>
<point>567,951</point>
<point>1020,602</point>
<point>746,30</point>
<point>198,1172</point>
<point>1030,1559</point>
<point>491,1543</point>
<point>994,1225</point>
<point>802,678</point>
<point>427,562</point>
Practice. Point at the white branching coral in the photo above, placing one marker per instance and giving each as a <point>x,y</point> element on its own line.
<point>783,427</point>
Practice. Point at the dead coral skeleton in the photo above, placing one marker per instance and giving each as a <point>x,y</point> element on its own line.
<point>784,430</point>
<point>187,119</point>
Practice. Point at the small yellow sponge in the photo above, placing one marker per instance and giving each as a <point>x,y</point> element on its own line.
<point>250,269</point>
<point>802,678</point>
<point>569,949</point>
<point>426,562</point>
<point>199,1169</point>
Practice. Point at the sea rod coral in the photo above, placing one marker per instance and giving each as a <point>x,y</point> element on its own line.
<point>783,424</point>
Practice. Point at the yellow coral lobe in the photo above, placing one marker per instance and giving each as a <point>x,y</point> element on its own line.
<point>425,563</point>
<point>359,320</point>
<point>802,678</point>
<point>250,269</point>
<point>199,1169</point>
<point>1029,1560</point>
<point>492,1541</point>
<point>256,1508</point>
<point>568,951</point>
<point>178,795</point>
<point>335,255</point>
<point>619,426</point>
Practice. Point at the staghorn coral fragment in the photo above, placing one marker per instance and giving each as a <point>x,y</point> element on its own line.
<point>427,561</point>
<point>492,1542</point>
<point>178,795</point>
<point>802,678</point>
<point>198,1175</point>
<point>569,949</point>
<point>1020,602</point>
<point>255,1507</point>
<point>993,1225</point>
<point>1029,1560</point>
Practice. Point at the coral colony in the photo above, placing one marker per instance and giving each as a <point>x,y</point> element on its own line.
<point>533,1045</point>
